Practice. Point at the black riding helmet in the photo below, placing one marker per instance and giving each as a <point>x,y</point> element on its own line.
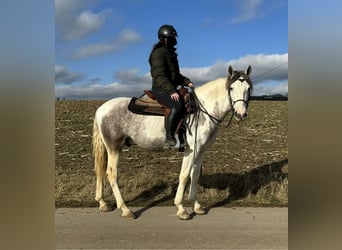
<point>167,31</point>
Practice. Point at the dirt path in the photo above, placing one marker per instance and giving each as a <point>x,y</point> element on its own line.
<point>158,227</point>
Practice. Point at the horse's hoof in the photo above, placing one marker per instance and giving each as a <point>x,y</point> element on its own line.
<point>105,208</point>
<point>129,216</point>
<point>200,211</point>
<point>184,215</point>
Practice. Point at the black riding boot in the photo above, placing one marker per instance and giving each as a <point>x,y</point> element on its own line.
<point>170,141</point>
<point>182,137</point>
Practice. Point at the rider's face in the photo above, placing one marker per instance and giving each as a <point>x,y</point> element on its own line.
<point>171,42</point>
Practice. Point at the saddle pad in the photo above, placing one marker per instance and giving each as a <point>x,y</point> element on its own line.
<point>140,107</point>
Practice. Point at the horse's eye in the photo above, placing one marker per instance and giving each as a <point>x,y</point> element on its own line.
<point>231,88</point>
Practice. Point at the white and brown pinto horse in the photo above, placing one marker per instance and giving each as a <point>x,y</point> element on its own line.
<point>115,126</point>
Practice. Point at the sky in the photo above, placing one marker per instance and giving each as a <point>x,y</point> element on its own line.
<point>102,47</point>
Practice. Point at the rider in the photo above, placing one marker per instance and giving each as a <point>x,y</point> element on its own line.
<point>166,77</point>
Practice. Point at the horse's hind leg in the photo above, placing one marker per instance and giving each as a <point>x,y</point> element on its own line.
<point>112,174</point>
<point>99,194</point>
<point>100,170</point>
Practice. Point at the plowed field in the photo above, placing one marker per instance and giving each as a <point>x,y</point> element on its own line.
<point>247,165</point>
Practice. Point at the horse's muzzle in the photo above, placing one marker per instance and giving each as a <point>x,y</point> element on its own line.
<point>240,109</point>
<point>240,116</point>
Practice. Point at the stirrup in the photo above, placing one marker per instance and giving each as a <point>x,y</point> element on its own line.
<point>170,143</point>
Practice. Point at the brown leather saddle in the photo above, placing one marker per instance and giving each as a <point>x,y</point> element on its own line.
<point>148,105</point>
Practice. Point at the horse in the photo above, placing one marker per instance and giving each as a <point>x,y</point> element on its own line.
<point>115,126</point>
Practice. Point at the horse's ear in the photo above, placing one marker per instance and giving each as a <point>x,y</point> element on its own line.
<point>230,70</point>
<point>249,70</point>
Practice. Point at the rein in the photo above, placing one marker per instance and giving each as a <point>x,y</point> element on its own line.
<point>231,117</point>
<point>216,121</point>
<point>201,108</point>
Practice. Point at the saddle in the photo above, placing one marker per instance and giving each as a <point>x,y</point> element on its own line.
<point>148,105</point>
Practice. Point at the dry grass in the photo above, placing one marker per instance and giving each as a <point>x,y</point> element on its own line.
<point>247,165</point>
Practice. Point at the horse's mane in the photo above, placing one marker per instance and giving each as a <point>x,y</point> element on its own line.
<point>208,88</point>
<point>212,88</point>
<point>208,85</point>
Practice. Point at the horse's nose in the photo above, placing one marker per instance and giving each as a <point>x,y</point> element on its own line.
<point>240,116</point>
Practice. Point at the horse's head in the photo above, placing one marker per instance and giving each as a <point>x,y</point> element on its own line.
<point>239,86</point>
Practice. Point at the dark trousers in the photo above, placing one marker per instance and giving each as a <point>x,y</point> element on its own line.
<point>166,99</point>
<point>172,119</point>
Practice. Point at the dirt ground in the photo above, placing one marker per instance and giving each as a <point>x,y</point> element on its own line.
<point>247,165</point>
<point>159,228</point>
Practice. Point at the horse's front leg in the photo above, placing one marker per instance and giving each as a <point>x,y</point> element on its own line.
<point>183,178</point>
<point>194,175</point>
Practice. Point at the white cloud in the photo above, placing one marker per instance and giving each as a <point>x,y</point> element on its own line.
<point>131,76</point>
<point>129,83</point>
<point>73,21</point>
<point>99,91</point>
<point>63,75</point>
<point>270,88</point>
<point>264,67</point>
<point>245,10</point>
<point>249,9</point>
<point>261,66</point>
<point>125,37</point>
<point>281,88</point>
<point>269,75</point>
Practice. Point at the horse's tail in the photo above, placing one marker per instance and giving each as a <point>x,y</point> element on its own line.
<point>99,152</point>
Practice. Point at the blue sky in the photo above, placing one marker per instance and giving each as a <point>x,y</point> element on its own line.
<point>102,47</point>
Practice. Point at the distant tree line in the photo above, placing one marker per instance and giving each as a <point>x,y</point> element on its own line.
<point>275,97</point>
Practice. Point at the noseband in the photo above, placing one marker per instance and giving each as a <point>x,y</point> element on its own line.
<point>240,100</point>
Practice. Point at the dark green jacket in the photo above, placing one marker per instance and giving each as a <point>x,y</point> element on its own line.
<point>165,70</point>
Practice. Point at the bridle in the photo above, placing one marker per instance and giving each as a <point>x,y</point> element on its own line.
<point>233,110</point>
<point>238,76</point>
<point>232,103</point>
<point>216,121</point>
<point>235,76</point>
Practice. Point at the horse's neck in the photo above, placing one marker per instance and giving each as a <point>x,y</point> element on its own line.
<point>214,97</point>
